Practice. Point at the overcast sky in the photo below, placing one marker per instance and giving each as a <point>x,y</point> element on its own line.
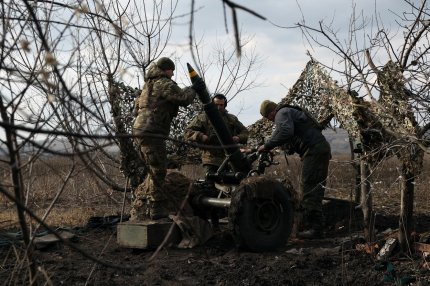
<point>282,51</point>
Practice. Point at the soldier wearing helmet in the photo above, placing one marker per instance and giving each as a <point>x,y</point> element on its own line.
<point>201,131</point>
<point>156,107</point>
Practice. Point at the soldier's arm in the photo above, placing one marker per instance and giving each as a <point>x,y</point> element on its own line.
<point>284,130</point>
<point>243,133</point>
<point>195,130</point>
<point>179,96</point>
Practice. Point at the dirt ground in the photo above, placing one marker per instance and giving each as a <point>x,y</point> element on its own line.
<point>335,259</point>
<point>331,260</point>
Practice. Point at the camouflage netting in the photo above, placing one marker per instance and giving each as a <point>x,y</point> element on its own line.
<point>316,92</point>
<point>396,116</point>
<point>121,99</point>
<point>178,152</point>
<point>370,122</point>
<point>394,110</point>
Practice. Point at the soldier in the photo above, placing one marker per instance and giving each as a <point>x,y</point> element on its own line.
<point>157,105</point>
<point>302,135</point>
<point>200,130</point>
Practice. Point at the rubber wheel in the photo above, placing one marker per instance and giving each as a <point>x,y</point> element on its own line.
<point>261,215</point>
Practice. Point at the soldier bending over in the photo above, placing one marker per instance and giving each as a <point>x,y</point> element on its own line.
<point>294,128</point>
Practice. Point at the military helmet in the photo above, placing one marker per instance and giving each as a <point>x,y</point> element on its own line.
<point>165,63</point>
<point>266,107</point>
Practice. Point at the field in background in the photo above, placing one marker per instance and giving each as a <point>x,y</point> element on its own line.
<point>82,195</point>
<point>85,196</point>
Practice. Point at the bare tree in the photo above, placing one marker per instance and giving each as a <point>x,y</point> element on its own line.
<point>397,88</point>
<point>59,63</point>
<point>65,74</point>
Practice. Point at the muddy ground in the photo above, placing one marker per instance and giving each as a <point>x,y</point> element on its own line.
<point>331,260</point>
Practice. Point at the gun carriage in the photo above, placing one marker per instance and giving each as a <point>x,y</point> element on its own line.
<point>259,208</point>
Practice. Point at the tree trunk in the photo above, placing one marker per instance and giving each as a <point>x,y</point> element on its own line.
<point>356,154</point>
<point>366,201</point>
<point>357,188</point>
<point>406,209</point>
<point>18,188</point>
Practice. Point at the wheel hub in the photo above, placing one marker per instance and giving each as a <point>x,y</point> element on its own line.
<point>267,215</point>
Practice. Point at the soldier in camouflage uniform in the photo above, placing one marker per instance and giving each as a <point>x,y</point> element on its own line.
<point>301,134</point>
<point>156,106</point>
<point>200,130</point>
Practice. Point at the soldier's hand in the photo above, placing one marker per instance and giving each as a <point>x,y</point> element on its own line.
<point>261,149</point>
<point>199,85</point>
<point>205,138</point>
<point>213,140</point>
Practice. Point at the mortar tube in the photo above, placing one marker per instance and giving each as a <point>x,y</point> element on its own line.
<point>194,76</point>
<point>237,159</point>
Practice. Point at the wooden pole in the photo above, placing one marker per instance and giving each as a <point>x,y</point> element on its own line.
<point>366,200</point>
<point>406,209</point>
<point>356,150</point>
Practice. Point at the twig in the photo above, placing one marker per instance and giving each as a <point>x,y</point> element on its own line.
<point>95,264</point>
<point>123,199</point>
<point>370,61</point>
<point>233,6</point>
<point>45,274</point>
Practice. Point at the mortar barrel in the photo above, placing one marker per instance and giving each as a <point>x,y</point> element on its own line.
<point>237,159</point>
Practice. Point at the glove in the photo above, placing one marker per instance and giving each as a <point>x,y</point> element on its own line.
<point>199,85</point>
<point>261,149</point>
<point>213,140</point>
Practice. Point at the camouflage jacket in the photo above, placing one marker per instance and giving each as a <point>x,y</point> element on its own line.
<point>159,102</point>
<point>201,125</point>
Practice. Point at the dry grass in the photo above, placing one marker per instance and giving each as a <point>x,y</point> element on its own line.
<point>341,182</point>
<point>80,193</point>
<point>85,196</point>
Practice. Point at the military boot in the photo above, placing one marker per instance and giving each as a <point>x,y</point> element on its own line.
<point>158,210</point>
<point>313,227</point>
<point>311,233</point>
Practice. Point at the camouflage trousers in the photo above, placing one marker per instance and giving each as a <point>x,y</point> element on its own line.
<point>153,152</point>
<point>314,175</point>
